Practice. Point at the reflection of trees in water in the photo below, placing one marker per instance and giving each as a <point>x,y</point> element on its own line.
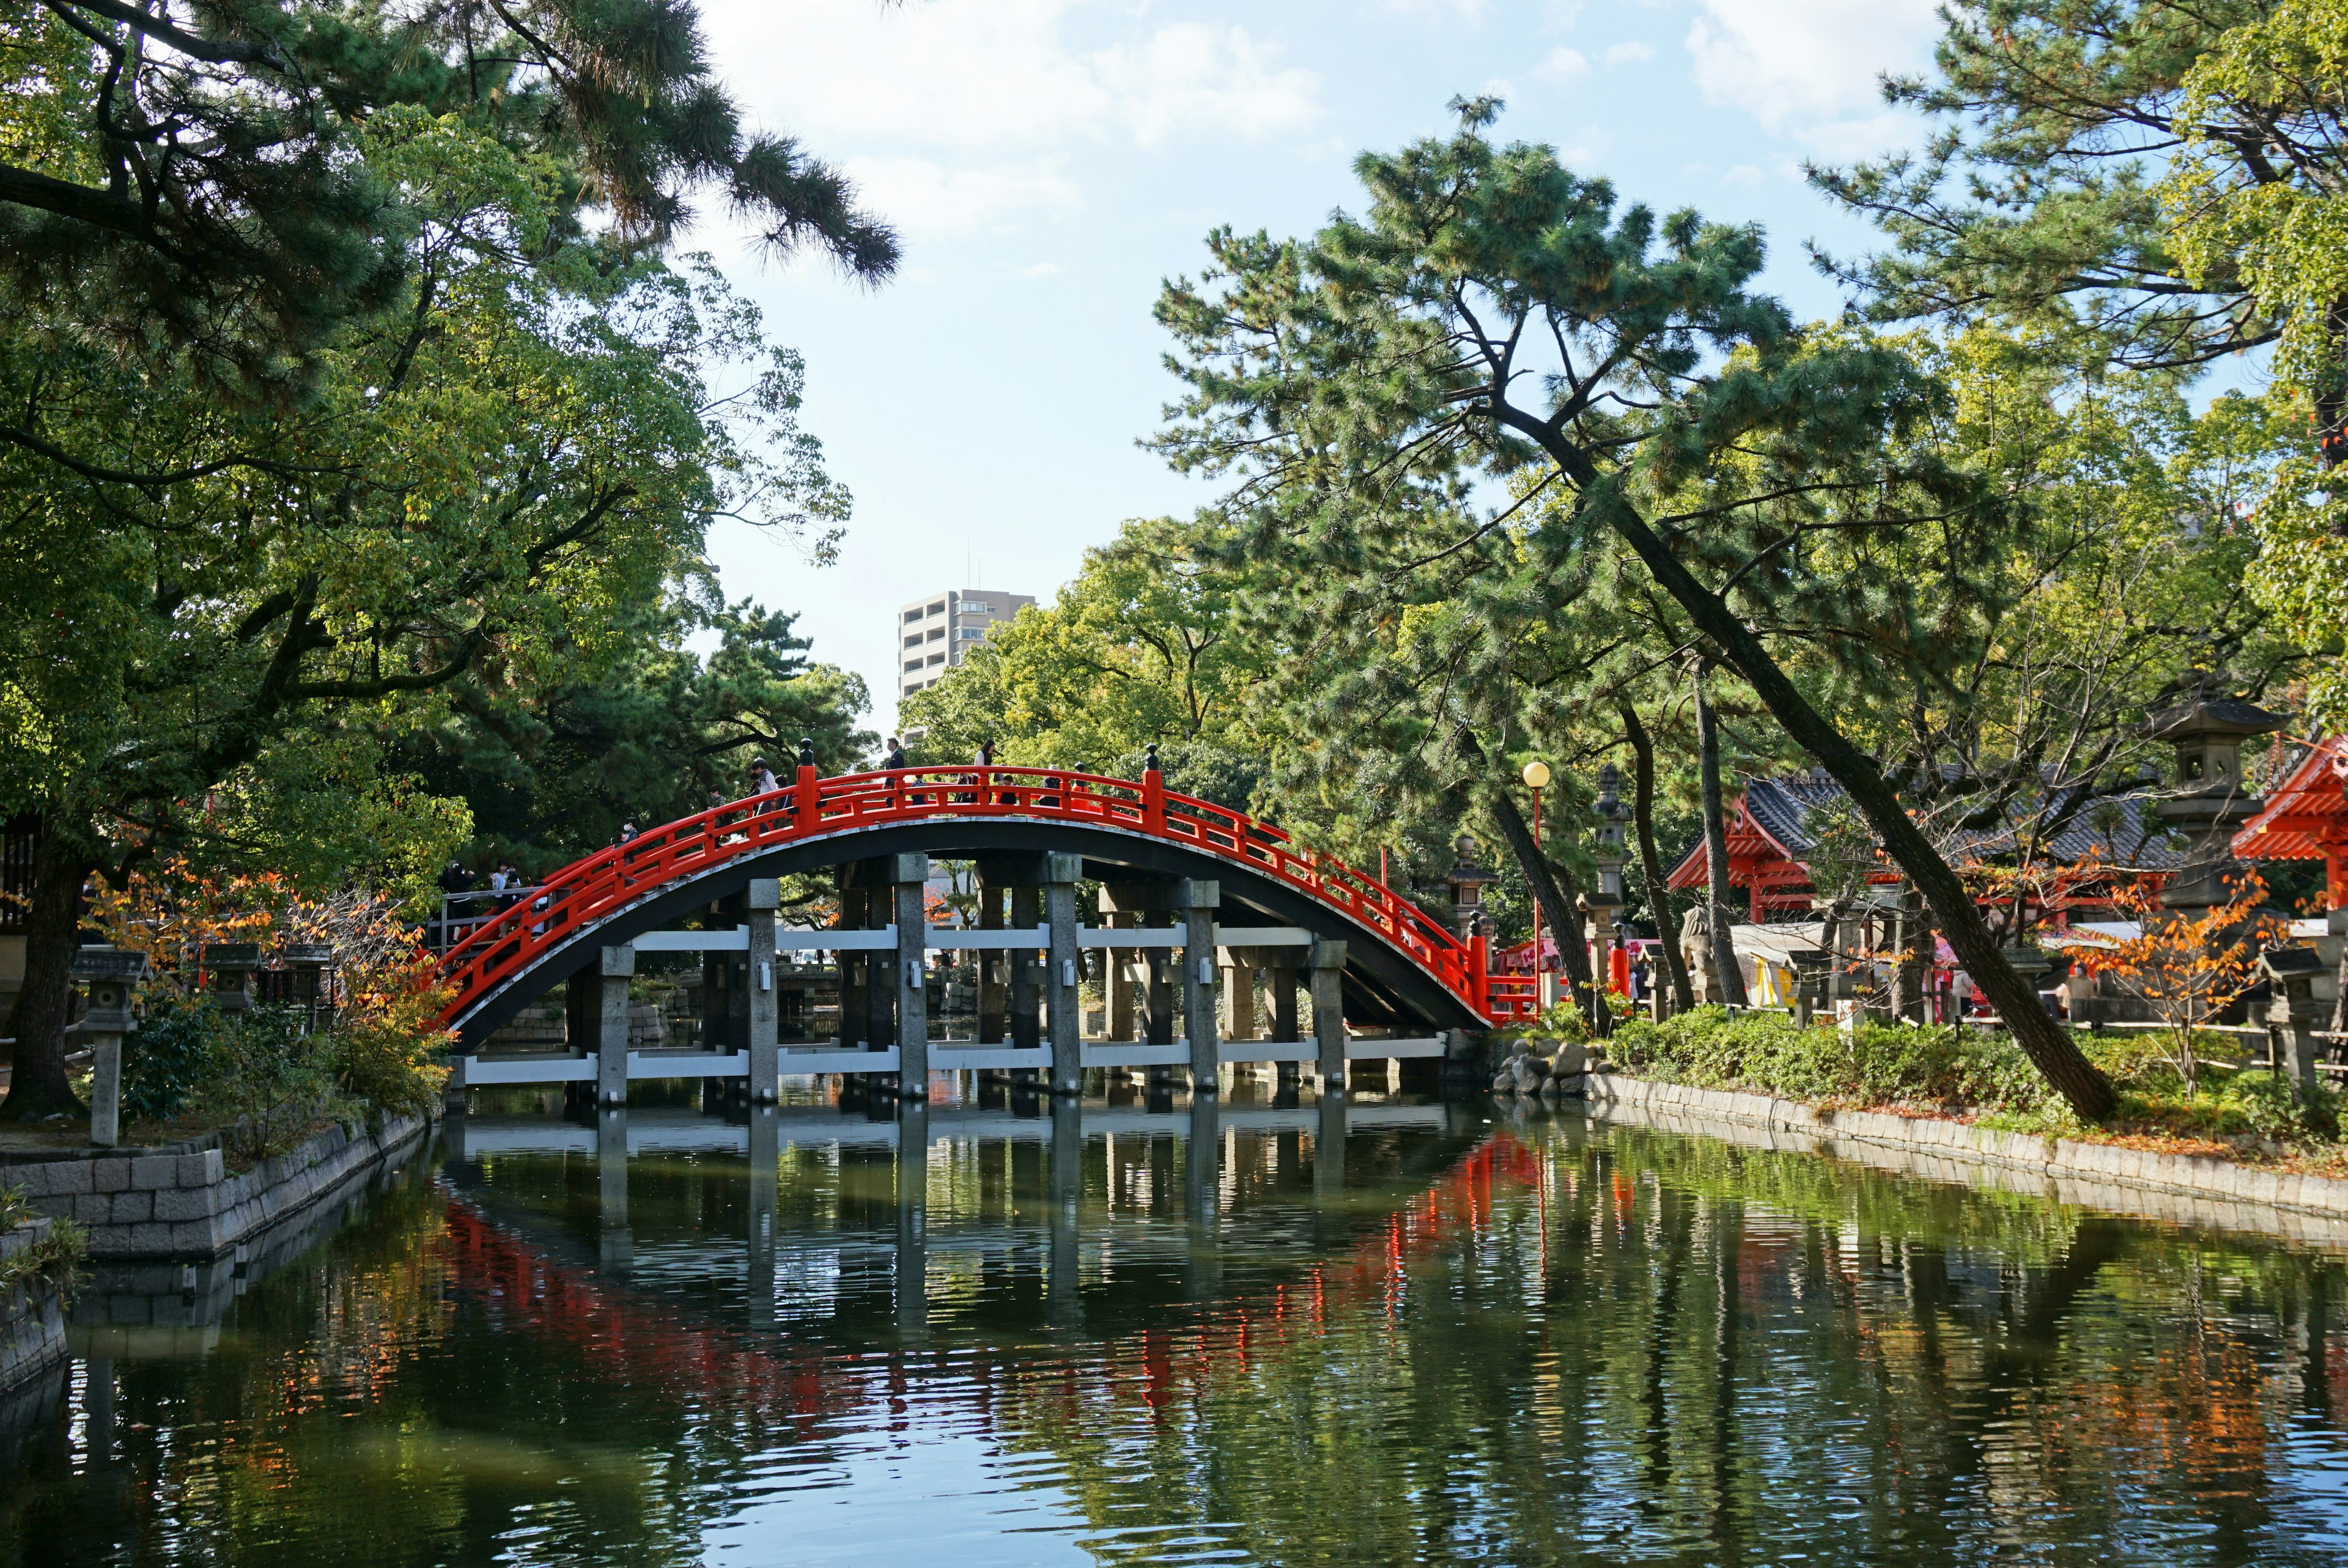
<point>1625,1344</point>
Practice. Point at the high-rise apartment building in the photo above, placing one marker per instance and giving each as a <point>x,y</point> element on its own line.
<point>934,633</point>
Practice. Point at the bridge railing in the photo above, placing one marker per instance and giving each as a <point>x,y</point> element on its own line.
<point>590,889</point>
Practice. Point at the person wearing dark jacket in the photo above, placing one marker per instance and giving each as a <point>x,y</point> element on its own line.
<point>895,761</point>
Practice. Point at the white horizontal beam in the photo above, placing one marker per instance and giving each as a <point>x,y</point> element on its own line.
<point>736,940</point>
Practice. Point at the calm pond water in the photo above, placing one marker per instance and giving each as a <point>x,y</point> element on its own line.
<point>1442,1335</point>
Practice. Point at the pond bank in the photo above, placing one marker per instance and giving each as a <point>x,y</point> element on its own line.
<point>182,1203</point>
<point>2065,1168</point>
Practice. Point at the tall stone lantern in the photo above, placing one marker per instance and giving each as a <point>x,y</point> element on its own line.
<point>2212,801</point>
<point>1466,881</point>
<point>1604,902</point>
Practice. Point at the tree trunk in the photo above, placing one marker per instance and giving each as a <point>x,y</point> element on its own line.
<point>2050,1050</point>
<point>1650,864</point>
<point>36,1079</point>
<point>1718,894</point>
<point>1549,887</point>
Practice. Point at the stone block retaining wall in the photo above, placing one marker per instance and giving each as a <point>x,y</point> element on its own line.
<point>2063,1161</point>
<point>32,1318</point>
<point>183,1204</point>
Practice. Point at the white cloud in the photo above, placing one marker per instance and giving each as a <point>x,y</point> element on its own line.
<point>1808,69</point>
<point>929,199</point>
<point>1565,64</point>
<point>1627,54</point>
<point>1040,270</point>
<point>997,75</point>
<point>1189,79</point>
<point>1747,175</point>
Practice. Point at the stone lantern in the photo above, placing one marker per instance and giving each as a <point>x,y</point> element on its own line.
<point>232,966</point>
<point>1601,904</point>
<point>2212,800</point>
<point>1466,881</point>
<point>2292,1010</point>
<point>307,962</point>
<point>110,974</point>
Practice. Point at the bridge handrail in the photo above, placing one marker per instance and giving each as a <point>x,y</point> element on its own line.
<point>588,889</point>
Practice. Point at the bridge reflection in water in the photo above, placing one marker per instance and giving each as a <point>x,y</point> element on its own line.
<point>886,1168</point>
<point>1317,1333</point>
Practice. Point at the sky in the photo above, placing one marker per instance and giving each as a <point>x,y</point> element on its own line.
<point>1049,163</point>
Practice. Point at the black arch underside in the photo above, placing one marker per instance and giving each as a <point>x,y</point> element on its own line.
<point>1383,986</point>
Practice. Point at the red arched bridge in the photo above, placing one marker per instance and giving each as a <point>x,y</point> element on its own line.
<point>1231,894</point>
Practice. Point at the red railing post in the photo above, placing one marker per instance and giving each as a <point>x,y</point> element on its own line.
<point>805,808</point>
<point>1153,795</point>
<point>1480,974</point>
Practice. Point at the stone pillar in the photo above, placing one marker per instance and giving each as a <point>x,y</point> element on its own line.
<point>765,897</point>
<point>1239,1001</point>
<point>881,982</point>
<point>1280,979</point>
<point>1068,1192</point>
<point>1201,1158</point>
<point>615,966</point>
<point>1157,988</point>
<point>109,973</point>
<point>991,998</point>
<point>908,877</point>
<point>855,1013</point>
<point>1328,960</point>
<point>913,1215</point>
<point>1026,981</point>
<point>765,1151</point>
<point>1329,1147</point>
<point>1063,969</point>
<point>1198,900</point>
<point>617,1242</point>
<point>1117,978</point>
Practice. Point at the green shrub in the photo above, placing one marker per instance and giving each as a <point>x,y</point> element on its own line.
<point>1875,1064</point>
<point>166,1056</point>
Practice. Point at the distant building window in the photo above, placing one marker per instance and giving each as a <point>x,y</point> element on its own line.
<point>971,633</point>
<point>937,658</point>
<point>914,640</point>
<point>937,608</point>
<point>913,615</point>
<point>912,664</point>
<point>936,632</point>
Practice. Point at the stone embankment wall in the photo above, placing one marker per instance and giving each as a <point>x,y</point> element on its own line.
<point>32,1317</point>
<point>2063,1168</point>
<point>183,1204</point>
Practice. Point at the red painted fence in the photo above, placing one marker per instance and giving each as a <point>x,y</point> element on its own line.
<point>584,893</point>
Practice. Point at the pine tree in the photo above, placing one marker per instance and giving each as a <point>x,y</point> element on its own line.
<point>1492,316</point>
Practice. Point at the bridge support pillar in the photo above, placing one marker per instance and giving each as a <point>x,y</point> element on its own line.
<point>1063,969</point>
<point>616,1240</point>
<point>1118,981</point>
<point>990,998</point>
<point>853,1012</point>
<point>1280,980</point>
<point>1026,988</point>
<point>765,897</point>
<point>1198,900</point>
<point>616,966</point>
<point>908,877</point>
<point>1328,962</point>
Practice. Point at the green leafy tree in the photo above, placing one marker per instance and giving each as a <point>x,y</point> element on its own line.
<point>647,733</point>
<point>1493,317</point>
<point>229,612</point>
<point>1140,647</point>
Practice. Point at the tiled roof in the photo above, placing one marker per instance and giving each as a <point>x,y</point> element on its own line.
<point>2122,832</point>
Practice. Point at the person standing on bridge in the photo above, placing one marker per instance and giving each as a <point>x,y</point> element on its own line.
<point>895,761</point>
